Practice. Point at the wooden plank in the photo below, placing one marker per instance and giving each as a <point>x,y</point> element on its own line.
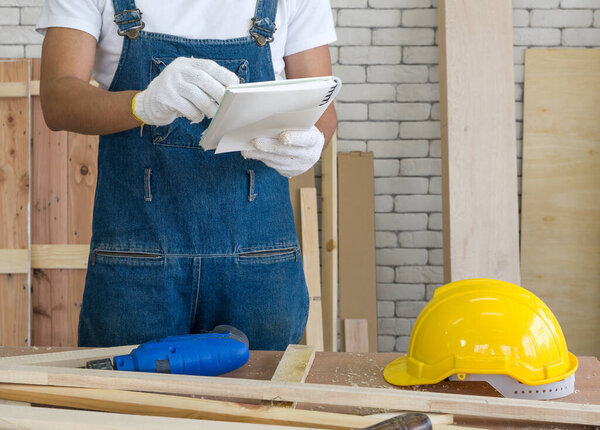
<point>48,219</point>
<point>305,180</point>
<point>129,402</point>
<point>74,358</point>
<point>14,261</point>
<point>14,89</point>
<point>356,335</point>
<point>356,201</point>
<point>294,367</point>
<point>14,201</point>
<point>329,251</point>
<point>59,256</point>
<point>83,171</point>
<point>311,264</point>
<point>560,243</point>
<point>479,169</point>
<point>387,398</point>
<point>36,418</point>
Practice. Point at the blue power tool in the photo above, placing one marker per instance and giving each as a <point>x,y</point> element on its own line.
<point>222,350</point>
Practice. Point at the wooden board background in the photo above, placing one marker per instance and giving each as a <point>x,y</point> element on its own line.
<point>479,168</point>
<point>14,201</point>
<point>356,220</point>
<point>63,180</point>
<point>560,242</point>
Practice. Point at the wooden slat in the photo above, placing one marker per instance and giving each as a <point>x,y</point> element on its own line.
<point>356,335</point>
<point>294,366</point>
<point>48,220</point>
<point>83,171</point>
<point>311,264</point>
<point>479,169</point>
<point>356,201</point>
<point>14,201</point>
<point>19,89</point>
<point>387,398</point>
<point>329,251</point>
<point>129,402</point>
<point>560,240</point>
<point>305,180</point>
<point>14,261</point>
<point>36,418</point>
<point>59,256</point>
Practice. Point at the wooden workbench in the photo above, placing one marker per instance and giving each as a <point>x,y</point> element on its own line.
<point>366,370</point>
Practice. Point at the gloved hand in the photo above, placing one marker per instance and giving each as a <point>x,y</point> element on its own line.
<point>189,87</point>
<point>292,154</point>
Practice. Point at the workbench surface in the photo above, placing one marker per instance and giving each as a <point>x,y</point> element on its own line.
<point>366,370</point>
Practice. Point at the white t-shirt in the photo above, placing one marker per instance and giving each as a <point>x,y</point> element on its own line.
<point>301,25</point>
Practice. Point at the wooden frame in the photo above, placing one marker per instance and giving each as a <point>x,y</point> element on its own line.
<point>36,370</point>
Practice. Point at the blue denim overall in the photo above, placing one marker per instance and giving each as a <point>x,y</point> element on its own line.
<point>183,239</point>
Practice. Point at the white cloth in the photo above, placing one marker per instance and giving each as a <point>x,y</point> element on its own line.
<point>292,154</point>
<point>301,25</point>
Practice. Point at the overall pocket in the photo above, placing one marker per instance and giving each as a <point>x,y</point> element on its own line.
<point>181,132</point>
<point>267,255</point>
<point>128,257</point>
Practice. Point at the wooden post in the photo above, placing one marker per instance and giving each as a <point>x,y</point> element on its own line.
<point>310,260</point>
<point>329,246</point>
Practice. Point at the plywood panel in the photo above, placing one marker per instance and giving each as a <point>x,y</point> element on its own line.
<point>48,221</point>
<point>14,199</point>
<point>356,211</point>
<point>83,171</point>
<point>479,169</point>
<point>561,189</point>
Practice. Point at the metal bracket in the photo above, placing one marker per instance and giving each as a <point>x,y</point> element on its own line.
<point>260,39</point>
<point>134,32</point>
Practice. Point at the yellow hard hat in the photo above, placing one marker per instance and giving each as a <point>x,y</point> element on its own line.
<point>484,326</point>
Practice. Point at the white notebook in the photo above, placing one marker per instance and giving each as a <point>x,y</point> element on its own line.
<point>265,109</point>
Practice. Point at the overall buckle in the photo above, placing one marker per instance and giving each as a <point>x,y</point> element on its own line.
<point>262,39</point>
<point>135,15</point>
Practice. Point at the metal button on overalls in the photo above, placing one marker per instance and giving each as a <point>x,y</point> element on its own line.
<point>183,239</point>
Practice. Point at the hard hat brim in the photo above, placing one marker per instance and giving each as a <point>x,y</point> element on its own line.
<point>396,373</point>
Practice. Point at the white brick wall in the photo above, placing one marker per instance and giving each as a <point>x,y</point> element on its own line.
<point>387,57</point>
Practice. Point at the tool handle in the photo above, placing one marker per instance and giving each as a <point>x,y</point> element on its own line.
<point>403,422</point>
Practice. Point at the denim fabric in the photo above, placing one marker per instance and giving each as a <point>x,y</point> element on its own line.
<point>183,239</point>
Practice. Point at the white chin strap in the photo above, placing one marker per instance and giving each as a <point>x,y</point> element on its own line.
<point>510,387</point>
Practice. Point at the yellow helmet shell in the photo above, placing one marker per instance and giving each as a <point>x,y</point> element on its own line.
<point>484,326</point>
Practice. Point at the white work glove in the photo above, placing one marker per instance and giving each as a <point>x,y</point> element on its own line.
<point>188,87</point>
<point>292,154</point>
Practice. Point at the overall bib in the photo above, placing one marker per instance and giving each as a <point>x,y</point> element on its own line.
<point>183,239</point>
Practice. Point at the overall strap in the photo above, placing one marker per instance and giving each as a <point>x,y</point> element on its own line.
<point>263,24</point>
<point>128,18</point>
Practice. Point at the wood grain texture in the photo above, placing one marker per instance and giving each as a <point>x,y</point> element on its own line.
<point>151,404</point>
<point>37,418</point>
<point>560,242</point>
<point>48,219</point>
<point>311,264</point>
<point>356,335</point>
<point>14,261</point>
<point>294,367</point>
<point>14,201</point>
<point>305,180</point>
<point>59,256</point>
<point>329,251</point>
<point>356,203</point>
<point>387,398</point>
<point>479,169</point>
<point>82,177</point>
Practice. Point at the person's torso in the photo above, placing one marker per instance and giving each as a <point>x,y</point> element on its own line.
<point>192,19</point>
